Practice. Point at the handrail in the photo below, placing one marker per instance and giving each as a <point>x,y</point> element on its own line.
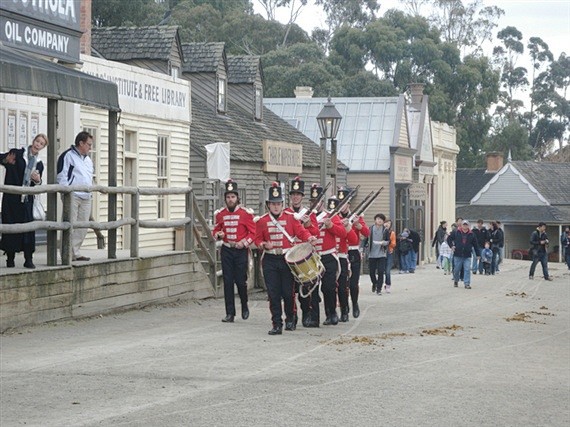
<point>192,209</point>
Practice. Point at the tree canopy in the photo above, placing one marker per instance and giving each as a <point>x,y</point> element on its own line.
<point>362,53</point>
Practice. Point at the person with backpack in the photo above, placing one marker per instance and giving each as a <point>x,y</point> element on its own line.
<point>404,248</point>
<point>538,250</point>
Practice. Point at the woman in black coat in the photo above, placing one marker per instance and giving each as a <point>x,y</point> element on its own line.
<point>23,168</point>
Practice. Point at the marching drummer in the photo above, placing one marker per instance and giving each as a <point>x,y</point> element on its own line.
<point>309,221</point>
<point>360,231</point>
<point>236,229</point>
<point>342,246</point>
<point>275,234</point>
<point>331,228</point>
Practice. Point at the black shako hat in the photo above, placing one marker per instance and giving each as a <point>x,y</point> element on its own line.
<point>275,193</point>
<point>316,191</point>
<point>297,186</point>
<point>332,203</point>
<point>231,187</point>
<point>342,193</point>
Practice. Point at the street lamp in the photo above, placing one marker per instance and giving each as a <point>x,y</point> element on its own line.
<point>329,122</point>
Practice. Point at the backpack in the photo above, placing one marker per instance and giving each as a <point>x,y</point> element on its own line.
<point>405,246</point>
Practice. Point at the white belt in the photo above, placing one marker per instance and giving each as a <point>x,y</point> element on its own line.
<point>229,244</point>
<point>354,248</point>
<point>341,255</point>
<point>328,252</point>
<point>278,251</point>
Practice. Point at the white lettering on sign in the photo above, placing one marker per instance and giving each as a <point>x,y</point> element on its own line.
<point>62,9</point>
<point>36,37</point>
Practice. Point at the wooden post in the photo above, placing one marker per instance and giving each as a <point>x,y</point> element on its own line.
<point>66,240</point>
<point>52,179</point>
<point>188,228</point>
<point>112,213</point>
<point>135,227</point>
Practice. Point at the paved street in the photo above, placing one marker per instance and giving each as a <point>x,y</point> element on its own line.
<point>425,355</point>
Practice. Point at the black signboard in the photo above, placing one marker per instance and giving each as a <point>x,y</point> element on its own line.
<point>47,27</point>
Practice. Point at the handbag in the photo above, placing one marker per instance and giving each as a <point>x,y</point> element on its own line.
<point>38,210</point>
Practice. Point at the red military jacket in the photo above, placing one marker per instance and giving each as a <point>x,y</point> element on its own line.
<point>238,226</point>
<point>326,241</point>
<point>354,240</point>
<point>313,226</point>
<point>267,231</point>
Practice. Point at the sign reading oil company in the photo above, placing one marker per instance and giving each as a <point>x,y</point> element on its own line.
<point>48,27</point>
<point>282,157</point>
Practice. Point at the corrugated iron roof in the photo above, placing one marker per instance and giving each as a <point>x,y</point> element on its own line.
<point>366,131</point>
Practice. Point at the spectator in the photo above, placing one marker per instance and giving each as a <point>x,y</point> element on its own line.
<point>377,253</point>
<point>74,167</point>
<point>496,239</point>
<point>445,255</point>
<point>416,240</point>
<point>23,168</point>
<point>486,257</point>
<point>565,244</point>
<point>482,236</point>
<point>538,250</point>
<point>501,245</point>
<point>438,239</point>
<point>390,235</point>
<point>404,248</point>
<point>462,244</point>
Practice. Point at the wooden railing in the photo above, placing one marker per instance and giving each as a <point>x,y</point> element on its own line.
<point>66,226</point>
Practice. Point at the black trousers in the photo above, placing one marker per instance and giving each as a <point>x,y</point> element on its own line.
<point>328,286</point>
<point>280,286</point>
<point>377,271</point>
<point>355,259</point>
<point>234,270</point>
<point>343,284</point>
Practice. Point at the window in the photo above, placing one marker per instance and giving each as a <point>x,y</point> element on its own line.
<point>258,102</point>
<point>162,174</point>
<point>174,72</point>
<point>222,94</point>
<point>130,143</point>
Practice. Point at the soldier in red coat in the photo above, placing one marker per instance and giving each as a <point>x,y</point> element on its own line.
<point>331,228</point>
<point>359,231</point>
<point>236,229</point>
<point>309,221</point>
<point>276,232</point>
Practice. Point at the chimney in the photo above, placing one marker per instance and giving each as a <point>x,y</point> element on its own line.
<point>85,19</point>
<point>494,162</point>
<point>303,92</point>
<point>417,94</point>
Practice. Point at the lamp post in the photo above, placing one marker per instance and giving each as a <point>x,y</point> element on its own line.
<point>329,122</point>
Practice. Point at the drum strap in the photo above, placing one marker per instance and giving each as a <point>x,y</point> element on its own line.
<point>281,229</point>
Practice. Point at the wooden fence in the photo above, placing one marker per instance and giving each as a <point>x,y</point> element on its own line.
<point>196,228</point>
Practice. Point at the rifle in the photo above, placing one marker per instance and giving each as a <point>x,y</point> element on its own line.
<point>363,207</point>
<point>324,215</point>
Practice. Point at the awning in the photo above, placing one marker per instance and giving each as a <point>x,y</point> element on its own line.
<point>29,75</point>
<point>516,214</point>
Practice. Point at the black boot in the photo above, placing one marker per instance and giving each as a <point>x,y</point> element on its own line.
<point>334,318</point>
<point>276,330</point>
<point>10,256</point>
<point>355,310</point>
<point>344,314</point>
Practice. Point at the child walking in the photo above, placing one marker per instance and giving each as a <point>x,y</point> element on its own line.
<point>445,255</point>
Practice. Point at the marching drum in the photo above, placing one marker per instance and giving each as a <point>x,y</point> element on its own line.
<point>305,264</point>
